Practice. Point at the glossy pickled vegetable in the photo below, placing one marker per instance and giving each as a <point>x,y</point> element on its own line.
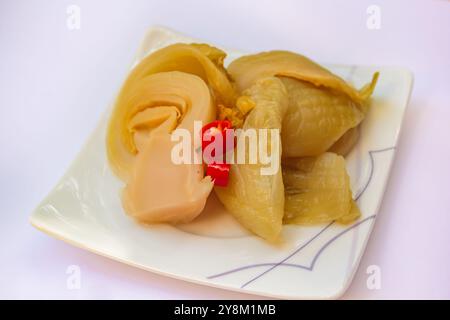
<point>169,89</point>
<point>352,216</point>
<point>201,60</point>
<point>317,113</point>
<point>345,143</point>
<point>256,200</point>
<point>317,190</point>
<point>316,118</point>
<point>247,69</point>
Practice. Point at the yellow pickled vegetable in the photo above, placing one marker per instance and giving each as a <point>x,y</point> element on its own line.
<point>317,190</point>
<point>256,200</point>
<point>201,60</point>
<point>322,106</point>
<point>345,143</point>
<point>352,216</point>
<point>316,118</point>
<point>169,89</point>
<point>247,69</point>
<point>317,114</point>
<point>159,190</point>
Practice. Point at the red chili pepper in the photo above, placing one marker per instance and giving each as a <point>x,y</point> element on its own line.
<point>211,130</point>
<point>209,134</point>
<point>219,172</point>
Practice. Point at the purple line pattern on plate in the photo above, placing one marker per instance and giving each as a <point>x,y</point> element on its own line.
<point>310,267</point>
<point>283,263</point>
<point>372,169</point>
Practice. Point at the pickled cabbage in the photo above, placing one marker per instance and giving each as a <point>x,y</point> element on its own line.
<point>247,69</point>
<point>169,89</point>
<point>257,201</point>
<point>316,118</point>
<point>317,190</point>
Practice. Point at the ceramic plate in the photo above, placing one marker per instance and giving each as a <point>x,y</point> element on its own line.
<point>84,209</point>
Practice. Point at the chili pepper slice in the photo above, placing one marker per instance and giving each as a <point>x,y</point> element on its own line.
<point>219,172</point>
<point>214,128</point>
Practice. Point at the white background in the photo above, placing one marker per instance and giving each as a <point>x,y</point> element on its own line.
<point>55,83</point>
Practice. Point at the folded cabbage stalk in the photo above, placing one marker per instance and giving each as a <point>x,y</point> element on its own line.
<point>169,89</point>
<point>345,143</point>
<point>159,190</point>
<point>198,59</point>
<point>247,69</point>
<point>322,106</point>
<point>316,118</point>
<point>323,113</point>
<point>317,190</point>
<point>257,201</point>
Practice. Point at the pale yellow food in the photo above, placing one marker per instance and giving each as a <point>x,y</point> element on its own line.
<point>322,106</point>
<point>257,201</point>
<point>201,60</point>
<point>345,143</point>
<point>247,69</point>
<point>318,115</point>
<point>324,113</point>
<point>174,100</point>
<point>352,216</point>
<point>169,89</point>
<point>316,118</point>
<point>317,190</point>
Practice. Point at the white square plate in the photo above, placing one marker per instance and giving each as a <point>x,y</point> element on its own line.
<point>84,209</point>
